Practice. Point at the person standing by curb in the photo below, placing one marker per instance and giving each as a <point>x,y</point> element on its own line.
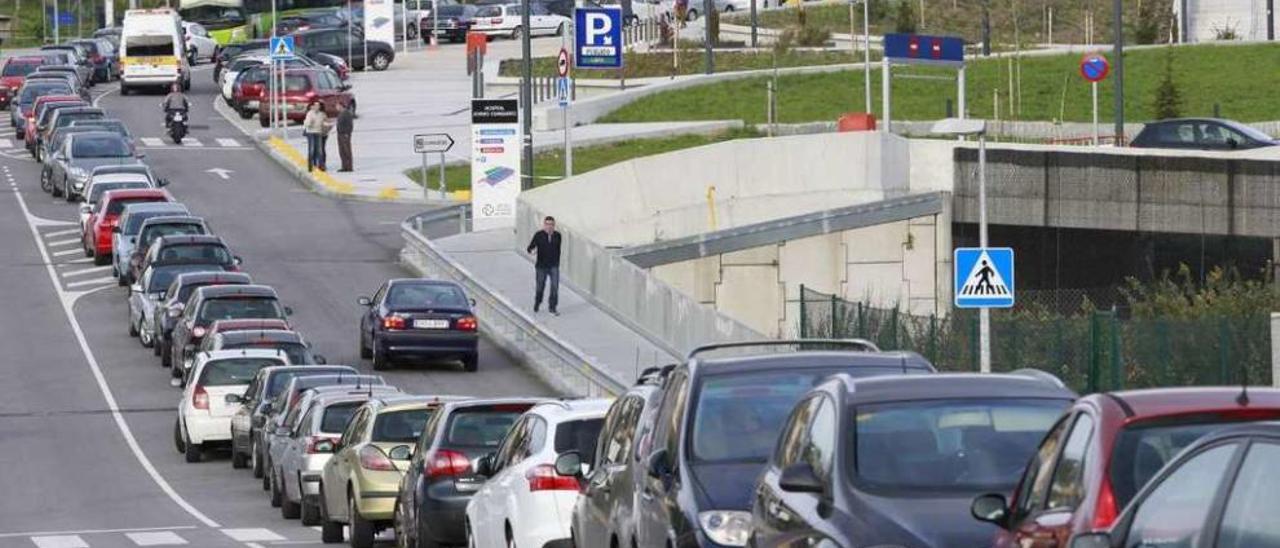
<point>547,244</point>
<point>346,124</point>
<point>313,127</point>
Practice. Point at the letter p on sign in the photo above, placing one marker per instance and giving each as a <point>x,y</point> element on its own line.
<point>598,27</point>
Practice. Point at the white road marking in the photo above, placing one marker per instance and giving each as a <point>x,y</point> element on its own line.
<point>192,142</point>
<point>81,260</point>
<point>6,143</point>
<point>62,541</point>
<point>67,252</point>
<point>92,531</point>
<point>252,535</point>
<point>158,538</point>
<point>68,241</point>
<point>95,281</point>
<point>84,271</point>
<point>68,302</point>
<point>152,141</point>
<point>63,232</point>
<point>223,141</point>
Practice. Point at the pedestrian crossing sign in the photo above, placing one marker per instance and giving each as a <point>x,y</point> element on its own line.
<point>983,277</point>
<point>281,47</point>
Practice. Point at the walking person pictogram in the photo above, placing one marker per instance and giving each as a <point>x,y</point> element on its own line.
<point>984,279</point>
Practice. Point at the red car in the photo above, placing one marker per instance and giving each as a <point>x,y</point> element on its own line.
<point>248,89</point>
<point>1103,451</point>
<point>13,74</point>
<point>301,87</point>
<point>96,233</point>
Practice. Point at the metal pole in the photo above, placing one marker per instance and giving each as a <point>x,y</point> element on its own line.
<point>710,56</point>
<point>57,37</point>
<point>866,50</point>
<point>351,22</point>
<point>1118,19</point>
<point>435,24</point>
<point>960,98</point>
<point>984,314</point>
<point>1271,20</point>
<point>884,93</point>
<point>444,192</point>
<point>526,101</point>
<point>426,196</point>
<point>404,26</point>
<point>568,143</point>
<point>1095,114</point>
<point>755,23</point>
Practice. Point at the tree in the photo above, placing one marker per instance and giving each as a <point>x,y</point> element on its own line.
<point>1147,28</point>
<point>1168,99</point>
<point>904,19</point>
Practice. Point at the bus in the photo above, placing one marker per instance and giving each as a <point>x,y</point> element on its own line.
<point>226,20</point>
<point>152,53</point>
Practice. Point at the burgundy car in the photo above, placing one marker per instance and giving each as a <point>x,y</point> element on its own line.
<point>13,74</point>
<point>301,87</point>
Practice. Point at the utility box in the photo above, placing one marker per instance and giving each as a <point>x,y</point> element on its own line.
<point>856,121</point>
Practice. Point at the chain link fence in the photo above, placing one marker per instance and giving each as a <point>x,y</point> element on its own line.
<point>1090,350</point>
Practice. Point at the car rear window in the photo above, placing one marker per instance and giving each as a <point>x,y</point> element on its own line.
<point>168,229</point>
<point>489,11</point>
<point>116,206</point>
<point>233,371</point>
<point>29,92</point>
<point>97,190</point>
<point>189,253</point>
<point>19,69</point>
<point>424,295</point>
<point>400,426</point>
<point>136,220</point>
<point>336,417</point>
<point>280,380</point>
<point>233,308</point>
<point>580,436</point>
<point>297,352</point>
<point>482,426</point>
<point>67,118</point>
<point>1143,448</point>
<point>100,147</point>
<point>162,276</point>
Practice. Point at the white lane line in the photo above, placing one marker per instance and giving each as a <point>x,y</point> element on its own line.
<point>81,260</point>
<point>67,241</point>
<point>62,541</point>
<point>5,143</point>
<point>158,538</point>
<point>68,303</point>
<point>66,232</point>
<point>152,141</point>
<point>66,252</point>
<point>252,535</point>
<point>226,142</point>
<point>83,271</point>
<point>95,281</point>
<point>93,531</point>
<point>192,142</point>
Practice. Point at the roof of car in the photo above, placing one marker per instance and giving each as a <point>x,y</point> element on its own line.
<point>96,134</point>
<point>213,277</point>
<point>400,402</point>
<point>246,353</point>
<point>79,110</point>
<point>238,290</point>
<point>222,326</point>
<point>950,385</point>
<point>473,402</point>
<point>188,239</point>
<point>260,335</point>
<point>143,169</point>
<point>571,409</point>
<point>154,207</point>
<point>814,358</point>
<point>272,370</point>
<point>1157,402</point>
<point>173,220</point>
<point>130,193</point>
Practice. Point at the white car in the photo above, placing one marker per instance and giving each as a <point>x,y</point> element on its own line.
<point>504,20</point>
<point>204,415</point>
<point>199,44</point>
<point>524,497</point>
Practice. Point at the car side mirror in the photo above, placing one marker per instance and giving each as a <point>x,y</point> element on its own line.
<point>569,464</point>
<point>84,209</point>
<point>401,452</point>
<point>236,260</point>
<point>484,465</point>
<point>364,301</point>
<point>116,229</point>
<point>473,302</point>
<point>233,399</point>
<point>991,508</point>
<point>1091,540</point>
<point>282,431</point>
<point>324,446</point>
<point>162,182</point>
<point>658,464</point>
<point>175,311</point>
<point>800,478</point>
<point>288,311</point>
<point>320,359</point>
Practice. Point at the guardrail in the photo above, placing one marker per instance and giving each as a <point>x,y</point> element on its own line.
<point>557,362</point>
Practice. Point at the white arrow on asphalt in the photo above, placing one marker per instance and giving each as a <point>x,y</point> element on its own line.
<point>223,173</point>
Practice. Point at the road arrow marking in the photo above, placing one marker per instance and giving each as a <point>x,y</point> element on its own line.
<point>223,173</point>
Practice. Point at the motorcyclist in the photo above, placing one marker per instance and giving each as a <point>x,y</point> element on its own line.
<point>175,101</point>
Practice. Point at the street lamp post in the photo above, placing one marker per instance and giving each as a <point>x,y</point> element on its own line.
<point>968,127</point>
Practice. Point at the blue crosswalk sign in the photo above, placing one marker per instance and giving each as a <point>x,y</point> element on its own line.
<point>562,90</point>
<point>983,277</point>
<point>281,47</point>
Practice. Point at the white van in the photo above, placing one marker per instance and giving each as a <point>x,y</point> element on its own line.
<point>151,50</point>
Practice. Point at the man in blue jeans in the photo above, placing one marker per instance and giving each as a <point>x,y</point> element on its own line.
<point>547,243</point>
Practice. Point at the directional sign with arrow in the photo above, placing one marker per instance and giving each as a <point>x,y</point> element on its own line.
<point>432,142</point>
<point>221,173</point>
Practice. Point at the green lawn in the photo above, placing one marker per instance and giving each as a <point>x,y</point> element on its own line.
<point>550,164</point>
<point>1242,79</point>
<point>639,65</point>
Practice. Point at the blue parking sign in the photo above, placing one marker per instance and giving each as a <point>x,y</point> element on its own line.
<point>598,38</point>
<point>983,277</point>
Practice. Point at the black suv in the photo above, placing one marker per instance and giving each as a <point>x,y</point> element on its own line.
<point>218,302</point>
<point>718,423</point>
<point>895,461</point>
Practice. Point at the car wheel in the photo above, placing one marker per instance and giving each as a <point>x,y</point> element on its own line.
<point>122,282</point>
<point>381,61</point>
<point>239,460</point>
<point>192,451</point>
<point>144,335</point>
<point>254,461</point>
<point>310,514</point>
<point>365,353</point>
<point>276,496</point>
<point>330,531</point>
<point>157,343</point>
<point>262,120</point>
<point>99,260</point>
<point>471,363</point>
<point>693,15</point>
<point>381,362</point>
<point>402,533</point>
<point>290,510</point>
<point>361,530</point>
<point>245,113</point>
<point>728,8</point>
<point>560,30</point>
<point>125,90</point>
<point>56,190</point>
<point>411,33</point>
<point>177,436</point>
<point>69,196</point>
<point>133,327</point>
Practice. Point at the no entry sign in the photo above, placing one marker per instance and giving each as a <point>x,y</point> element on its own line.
<point>1094,67</point>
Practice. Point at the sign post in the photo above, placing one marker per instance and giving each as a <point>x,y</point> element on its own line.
<point>983,280</point>
<point>282,49</point>
<point>433,143</point>
<point>1095,68</point>
<point>495,162</point>
<point>562,93</point>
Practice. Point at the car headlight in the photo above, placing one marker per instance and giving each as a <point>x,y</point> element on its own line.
<point>77,173</point>
<point>727,527</point>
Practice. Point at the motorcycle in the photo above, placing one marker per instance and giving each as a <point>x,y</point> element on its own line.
<point>178,126</point>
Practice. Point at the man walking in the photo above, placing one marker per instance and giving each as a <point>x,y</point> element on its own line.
<point>547,244</point>
<point>346,124</point>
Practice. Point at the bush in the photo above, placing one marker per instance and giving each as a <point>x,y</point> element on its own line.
<point>1226,31</point>
<point>1146,30</point>
<point>904,18</point>
<point>1168,99</point>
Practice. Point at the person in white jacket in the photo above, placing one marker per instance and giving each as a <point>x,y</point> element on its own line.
<point>315,127</point>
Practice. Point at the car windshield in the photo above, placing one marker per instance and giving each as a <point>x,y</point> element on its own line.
<point>481,427</point>
<point>19,69</point>
<point>1252,133</point>
<point>96,191</point>
<point>234,308</point>
<point>167,229</point>
<point>114,126</point>
<point>29,93</point>
<point>233,371</point>
<point>336,416</point>
<point>100,147</point>
<point>451,11</point>
<point>580,436</point>
<point>162,276</point>
<point>68,118</point>
<point>280,380</point>
<point>194,253</point>
<point>400,426</point>
<point>241,64</point>
<point>968,444</point>
<point>297,352</point>
<point>117,206</point>
<point>424,295</point>
<point>488,11</point>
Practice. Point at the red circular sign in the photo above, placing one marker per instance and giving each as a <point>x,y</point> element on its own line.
<point>562,63</point>
<point>1094,67</point>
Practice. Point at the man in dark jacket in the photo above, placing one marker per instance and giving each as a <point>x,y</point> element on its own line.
<point>547,244</point>
<point>346,124</point>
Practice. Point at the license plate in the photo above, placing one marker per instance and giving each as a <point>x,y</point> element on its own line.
<point>431,324</point>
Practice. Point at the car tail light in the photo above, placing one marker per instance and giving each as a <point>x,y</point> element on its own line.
<point>445,463</point>
<point>319,444</point>
<point>544,478</point>
<point>200,398</point>
<point>393,322</point>
<point>1105,512</point>
<point>372,458</point>
<point>198,332</point>
<point>466,323</point>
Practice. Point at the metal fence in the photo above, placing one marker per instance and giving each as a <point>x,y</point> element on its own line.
<point>1090,351</point>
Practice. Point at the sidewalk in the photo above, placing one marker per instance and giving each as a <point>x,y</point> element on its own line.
<point>492,262</point>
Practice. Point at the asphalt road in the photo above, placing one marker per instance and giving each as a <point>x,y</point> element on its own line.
<point>86,414</point>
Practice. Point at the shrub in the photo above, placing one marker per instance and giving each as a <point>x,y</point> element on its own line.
<point>1168,99</point>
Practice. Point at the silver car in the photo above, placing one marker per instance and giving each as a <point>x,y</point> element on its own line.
<point>74,162</point>
<point>125,235</point>
<point>324,415</point>
<point>147,295</point>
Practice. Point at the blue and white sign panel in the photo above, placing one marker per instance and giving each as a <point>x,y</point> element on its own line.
<point>598,38</point>
<point>919,48</point>
<point>281,47</point>
<point>562,90</point>
<point>983,277</point>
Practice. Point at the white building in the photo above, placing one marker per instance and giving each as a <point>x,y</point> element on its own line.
<point>1206,18</point>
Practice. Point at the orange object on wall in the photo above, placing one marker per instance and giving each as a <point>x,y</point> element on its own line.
<point>476,41</point>
<point>856,121</point>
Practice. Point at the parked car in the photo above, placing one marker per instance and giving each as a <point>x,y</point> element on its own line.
<point>124,235</point>
<point>1220,491</point>
<point>204,414</point>
<point>248,89</point>
<point>455,21</point>
<point>75,57</point>
<point>229,52</point>
<point>101,66</point>
<point>155,228</point>
<point>894,461</point>
<point>523,501</point>
<point>20,109</point>
<point>289,341</point>
<point>1201,133</point>
<point>102,220</point>
<point>146,294</point>
<point>55,142</point>
<point>1104,450</point>
<point>310,19</point>
<point>60,118</point>
<point>13,74</point>
<point>350,46</point>
<point>257,59</point>
<point>431,504</point>
<point>255,404</point>
<point>100,184</point>
<point>73,163</point>
<point>302,87</point>
<point>217,302</point>
<point>169,308</point>
<point>200,46</point>
<point>719,422</point>
<point>43,114</point>
<point>421,318</point>
<point>505,20</point>
<point>605,513</point>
